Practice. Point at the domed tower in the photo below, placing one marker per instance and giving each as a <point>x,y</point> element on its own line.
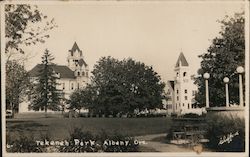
<point>183,85</point>
<point>78,65</point>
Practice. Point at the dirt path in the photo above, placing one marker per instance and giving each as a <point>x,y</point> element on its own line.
<point>157,143</point>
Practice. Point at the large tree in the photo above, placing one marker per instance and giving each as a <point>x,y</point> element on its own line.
<point>17,85</point>
<point>82,98</point>
<point>45,94</point>
<point>225,54</point>
<point>25,25</point>
<point>123,86</point>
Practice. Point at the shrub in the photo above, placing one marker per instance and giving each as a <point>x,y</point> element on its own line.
<point>22,144</point>
<point>99,141</point>
<point>219,126</point>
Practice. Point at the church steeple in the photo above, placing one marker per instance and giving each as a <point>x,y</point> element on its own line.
<point>181,61</point>
<point>75,58</point>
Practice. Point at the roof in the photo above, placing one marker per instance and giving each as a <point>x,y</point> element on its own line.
<point>181,60</point>
<point>171,84</point>
<point>64,71</point>
<point>75,47</point>
<point>82,62</point>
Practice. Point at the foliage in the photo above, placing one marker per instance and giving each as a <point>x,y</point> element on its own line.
<point>23,144</point>
<point>17,84</point>
<point>219,126</point>
<point>99,142</point>
<point>123,86</point>
<point>20,29</point>
<point>45,95</point>
<point>81,98</point>
<point>226,53</point>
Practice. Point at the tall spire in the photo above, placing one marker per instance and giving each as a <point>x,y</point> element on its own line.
<point>75,47</point>
<point>181,61</point>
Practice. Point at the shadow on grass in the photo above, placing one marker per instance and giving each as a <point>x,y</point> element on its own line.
<point>25,126</point>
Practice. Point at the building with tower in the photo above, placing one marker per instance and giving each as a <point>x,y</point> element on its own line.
<point>181,91</point>
<point>72,76</point>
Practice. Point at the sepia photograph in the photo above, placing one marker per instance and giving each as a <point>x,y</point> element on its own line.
<point>122,78</point>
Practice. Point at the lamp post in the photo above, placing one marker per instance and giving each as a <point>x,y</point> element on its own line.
<point>240,70</point>
<point>226,80</point>
<point>206,77</point>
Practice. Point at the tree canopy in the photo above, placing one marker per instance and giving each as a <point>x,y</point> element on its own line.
<point>123,86</point>
<point>225,54</point>
<point>20,29</point>
<point>17,84</point>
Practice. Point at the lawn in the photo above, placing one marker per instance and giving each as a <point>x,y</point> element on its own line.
<point>60,128</point>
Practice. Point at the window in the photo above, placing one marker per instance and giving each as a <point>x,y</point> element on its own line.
<point>78,86</point>
<point>184,74</point>
<point>177,74</point>
<point>87,74</point>
<point>183,104</point>
<point>63,86</point>
<point>83,74</point>
<point>193,93</point>
<point>188,106</point>
<point>177,98</point>
<point>186,91</point>
<point>177,91</point>
<point>72,86</point>
<point>179,105</point>
<point>78,73</point>
<point>186,97</point>
<point>176,106</point>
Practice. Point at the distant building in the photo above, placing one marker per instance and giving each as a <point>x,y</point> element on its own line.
<point>71,77</point>
<point>181,91</point>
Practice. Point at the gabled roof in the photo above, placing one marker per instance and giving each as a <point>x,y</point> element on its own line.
<point>181,60</point>
<point>82,62</point>
<point>171,84</point>
<point>63,70</point>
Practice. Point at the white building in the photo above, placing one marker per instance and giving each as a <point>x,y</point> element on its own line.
<point>181,91</point>
<point>71,77</point>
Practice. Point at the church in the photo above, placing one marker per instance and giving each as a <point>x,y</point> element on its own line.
<point>73,76</point>
<point>181,91</point>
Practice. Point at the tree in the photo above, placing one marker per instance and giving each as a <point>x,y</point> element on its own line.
<point>226,53</point>
<point>123,86</point>
<point>45,95</point>
<point>81,98</point>
<point>17,85</point>
<point>20,29</point>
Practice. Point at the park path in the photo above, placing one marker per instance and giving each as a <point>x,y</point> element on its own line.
<point>156,142</point>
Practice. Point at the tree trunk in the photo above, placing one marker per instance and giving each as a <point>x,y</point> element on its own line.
<point>46,116</point>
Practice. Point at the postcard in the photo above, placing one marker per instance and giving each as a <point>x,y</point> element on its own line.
<point>121,78</point>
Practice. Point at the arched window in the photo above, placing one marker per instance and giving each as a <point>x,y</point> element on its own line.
<point>184,74</point>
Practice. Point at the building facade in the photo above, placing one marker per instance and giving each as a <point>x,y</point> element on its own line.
<point>181,91</point>
<point>72,76</point>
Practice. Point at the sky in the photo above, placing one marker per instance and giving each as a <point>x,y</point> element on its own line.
<point>153,32</point>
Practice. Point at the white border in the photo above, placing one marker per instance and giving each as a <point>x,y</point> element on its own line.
<point>129,2</point>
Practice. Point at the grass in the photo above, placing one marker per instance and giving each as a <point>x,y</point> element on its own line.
<point>59,128</point>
